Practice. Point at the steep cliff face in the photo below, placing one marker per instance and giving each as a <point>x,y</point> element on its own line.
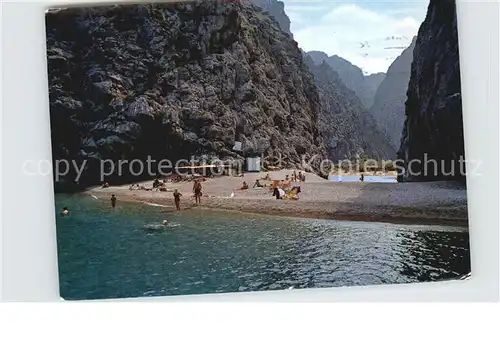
<point>433,128</point>
<point>171,81</point>
<point>352,76</point>
<point>370,86</point>
<point>350,129</point>
<point>317,56</point>
<point>275,9</point>
<point>389,103</point>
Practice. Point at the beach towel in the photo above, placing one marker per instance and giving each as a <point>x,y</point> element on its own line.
<point>291,195</point>
<point>281,192</point>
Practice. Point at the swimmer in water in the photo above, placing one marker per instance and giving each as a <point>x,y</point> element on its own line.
<point>113,201</point>
<point>165,222</point>
<point>65,212</point>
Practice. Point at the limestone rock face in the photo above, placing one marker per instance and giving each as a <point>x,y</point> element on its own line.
<point>389,103</point>
<point>275,9</point>
<point>352,76</point>
<point>371,85</point>
<point>350,129</point>
<point>173,81</point>
<point>433,128</point>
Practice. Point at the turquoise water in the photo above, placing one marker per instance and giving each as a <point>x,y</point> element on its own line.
<point>127,252</point>
<point>368,179</point>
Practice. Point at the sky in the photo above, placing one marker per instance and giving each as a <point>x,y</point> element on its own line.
<point>368,33</point>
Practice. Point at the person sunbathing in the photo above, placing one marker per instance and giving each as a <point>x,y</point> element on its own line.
<point>156,183</point>
<point>245,186</point>
<point>258,184</point>
<point>293,194</point>
<point>279,193</point>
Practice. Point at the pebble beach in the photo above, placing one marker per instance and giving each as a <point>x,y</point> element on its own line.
<point>419,203</point>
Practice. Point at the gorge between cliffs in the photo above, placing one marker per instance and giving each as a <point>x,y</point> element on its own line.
<point>193,79</point>
<point>228,81</point>
<point>189,142</point>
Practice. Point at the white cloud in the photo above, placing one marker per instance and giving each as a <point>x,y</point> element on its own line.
<point>355,32</point>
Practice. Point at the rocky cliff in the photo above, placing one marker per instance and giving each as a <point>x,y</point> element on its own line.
<point>433,128</point>
<point>275,9</point>
<point>350,129</point>
<point>390,99</point>
<point>352,76</point>
<point>370,86</point>
<point>175,80</point>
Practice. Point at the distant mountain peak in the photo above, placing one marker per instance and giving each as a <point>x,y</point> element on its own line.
<point>276,9</point>
<point>389,101</point>
<point>364,85</point>
<point>348,126</point>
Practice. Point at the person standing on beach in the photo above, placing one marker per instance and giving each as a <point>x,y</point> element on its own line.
<point>197,191</point>
<point>113,201</point>
<point>177,199</point>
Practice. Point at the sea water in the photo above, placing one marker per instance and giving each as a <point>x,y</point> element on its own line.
<point>367,179</point>
<point>127,251</point>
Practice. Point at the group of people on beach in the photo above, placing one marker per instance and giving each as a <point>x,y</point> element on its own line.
<point>257,184</point>
<point>197,189</point>
<point>297,177</point>
<point>161,185</point>
<point>281,189</point>
<point>177,200</point>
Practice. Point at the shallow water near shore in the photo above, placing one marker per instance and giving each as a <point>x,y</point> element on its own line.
<point>128,252</point>
<point>367,179</point>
